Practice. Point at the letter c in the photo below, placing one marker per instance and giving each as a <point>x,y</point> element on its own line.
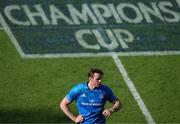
<point>79,36</point>
<point>8,12</point>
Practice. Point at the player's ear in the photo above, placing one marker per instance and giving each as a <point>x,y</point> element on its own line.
<point>89,78</point>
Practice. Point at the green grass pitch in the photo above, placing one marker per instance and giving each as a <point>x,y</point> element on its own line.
<point>31,89</point>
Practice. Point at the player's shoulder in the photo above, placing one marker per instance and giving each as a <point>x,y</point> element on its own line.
<point>80,85</point>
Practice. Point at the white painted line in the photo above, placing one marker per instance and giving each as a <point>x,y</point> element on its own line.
<point>105,54</point>
<point>149,53</point>
<point>178,2</point>
<point>11,36</point>
<point>132,89</point>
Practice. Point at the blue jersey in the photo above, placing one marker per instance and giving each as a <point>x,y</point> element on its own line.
<point>90,103</point>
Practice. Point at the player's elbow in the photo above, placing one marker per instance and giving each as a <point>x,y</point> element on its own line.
<point>62,104</point>
<point>118,104</point>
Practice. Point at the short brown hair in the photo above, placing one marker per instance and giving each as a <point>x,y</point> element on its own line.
<point>95,70</point>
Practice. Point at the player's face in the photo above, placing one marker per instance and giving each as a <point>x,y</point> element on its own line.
<point>96,79</point>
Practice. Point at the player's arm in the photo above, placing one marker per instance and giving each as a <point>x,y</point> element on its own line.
<point>116,105</point>
<point>64,106</point>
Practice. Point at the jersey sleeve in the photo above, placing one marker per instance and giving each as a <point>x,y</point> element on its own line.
<point>110,95</point>
<point>73,93</point>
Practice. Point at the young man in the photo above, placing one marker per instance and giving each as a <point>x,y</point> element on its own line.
<point>90,98</point>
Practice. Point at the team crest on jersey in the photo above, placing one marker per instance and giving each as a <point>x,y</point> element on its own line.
<point>101,96</point>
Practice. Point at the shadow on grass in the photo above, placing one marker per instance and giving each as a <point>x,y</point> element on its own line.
<point>32,116</point>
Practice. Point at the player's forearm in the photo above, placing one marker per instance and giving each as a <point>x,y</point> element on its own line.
<point>70,115</point>
<point>66,110</point>
<point>116,106</point>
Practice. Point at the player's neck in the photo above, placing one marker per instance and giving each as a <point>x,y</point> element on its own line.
<point>91,86</point>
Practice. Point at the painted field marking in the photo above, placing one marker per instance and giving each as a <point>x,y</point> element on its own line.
<point>178,2</point>
<point>115,57</point>
<point>133,89</point>
<point>13,39</point>
<point>105,54</point>
<point>11,36</point>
